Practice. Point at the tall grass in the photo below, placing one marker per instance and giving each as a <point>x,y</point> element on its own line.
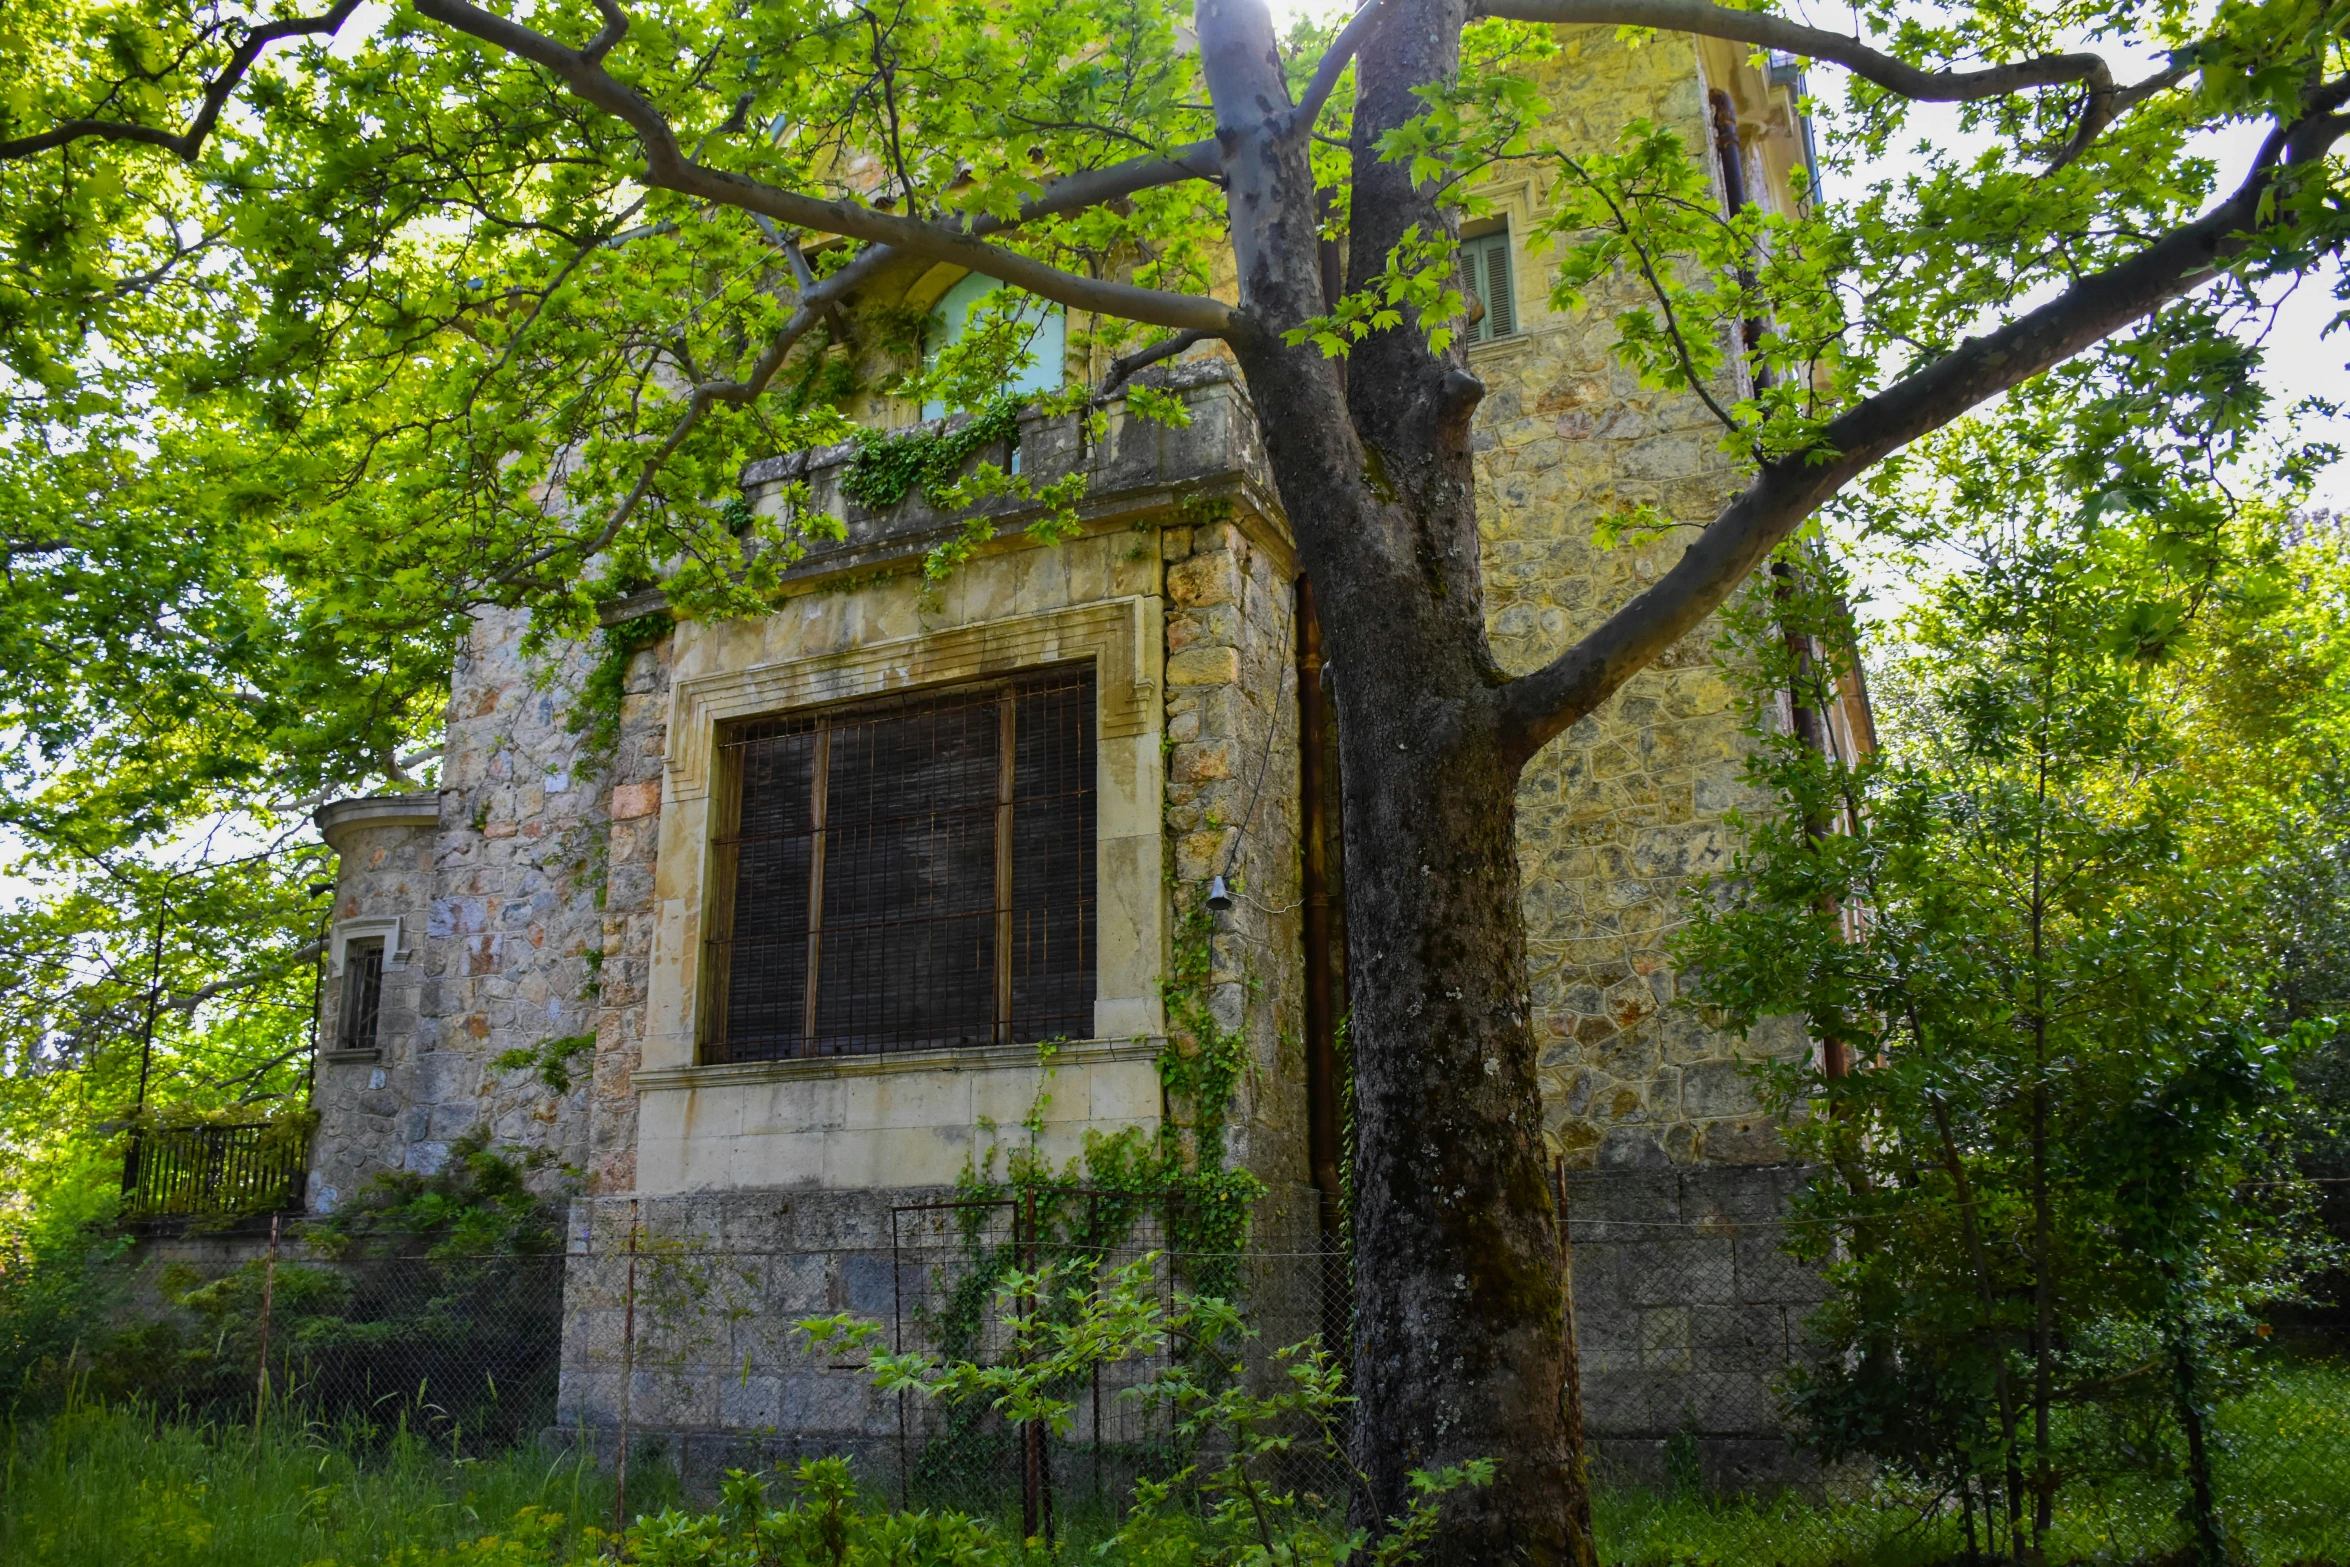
<point>117,1486</point>
<point>106,1486</point>
<point>2282,1474</point>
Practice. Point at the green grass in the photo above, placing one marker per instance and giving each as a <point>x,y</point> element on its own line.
<point>115,1487</point>
<point>110,1487</point>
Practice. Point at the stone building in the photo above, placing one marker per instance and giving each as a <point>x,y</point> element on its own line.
<point>804,929</point>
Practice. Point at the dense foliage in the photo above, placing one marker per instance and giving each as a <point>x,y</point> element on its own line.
<point>2038,934</point>
<point>320,331</point>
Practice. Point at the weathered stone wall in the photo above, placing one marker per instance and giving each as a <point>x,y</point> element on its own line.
<point>1687,1315</point>
<point>690,1331</point>
<point>628,916</point>
<point>1619,813</point>
<point>384,874</point>
<point>501,929</point>
<point>708,1365</point>
<point>514,921</point>
<point>1232,809</point>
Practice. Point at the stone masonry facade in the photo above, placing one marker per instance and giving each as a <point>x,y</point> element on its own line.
<point>544,892</point>
<point>1619,814</point>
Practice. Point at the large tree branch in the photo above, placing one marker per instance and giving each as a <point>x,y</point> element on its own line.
<point>2105,100</point>
<point>1122,369</point>
<point>815,303</point>
<point>667,166</point>
<point>1333,64</point>
<point>1539,705</point>
<point>1776,32</point>
<point>184,144</point>
<point>191,1000</point>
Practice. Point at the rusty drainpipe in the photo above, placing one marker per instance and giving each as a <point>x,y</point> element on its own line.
<point>1728,151</point>
<point>1811,728</point>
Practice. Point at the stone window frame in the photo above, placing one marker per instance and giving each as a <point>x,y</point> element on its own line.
<point>1513,206</point>
<point>999,693</point>
<point>1475,239</point>
<point>1123,638</point>
<point>396,956</point>
<point>385,929</point>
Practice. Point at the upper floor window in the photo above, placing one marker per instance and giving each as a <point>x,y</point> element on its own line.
<point>1045,325</point>
<point>1485,277</point>
<point>363,989</point>
<point>911,874</point>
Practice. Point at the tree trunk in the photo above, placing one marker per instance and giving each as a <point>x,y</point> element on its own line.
<point>1460,1345</point>
<point>2208,1544</point>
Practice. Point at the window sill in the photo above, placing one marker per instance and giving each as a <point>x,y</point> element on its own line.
<point>351,1057</point>
<point>980,1058</point>
<point>1500,348</point>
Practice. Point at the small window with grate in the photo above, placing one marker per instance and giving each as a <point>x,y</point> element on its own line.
<point>915,874</point>
<point>363,991</point>
<point>1485,276</point>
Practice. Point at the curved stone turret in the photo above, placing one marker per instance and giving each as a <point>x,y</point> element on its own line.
<point>372,999</point>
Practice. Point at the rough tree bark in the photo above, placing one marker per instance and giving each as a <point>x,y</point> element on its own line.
<point>1460,1349</point>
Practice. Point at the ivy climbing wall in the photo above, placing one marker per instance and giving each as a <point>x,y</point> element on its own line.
<point>1234,985</point>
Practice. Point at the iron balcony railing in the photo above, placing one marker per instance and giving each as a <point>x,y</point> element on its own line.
<point>195,1172</point>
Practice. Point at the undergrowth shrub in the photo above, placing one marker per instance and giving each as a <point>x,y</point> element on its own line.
<point>427,1302</point>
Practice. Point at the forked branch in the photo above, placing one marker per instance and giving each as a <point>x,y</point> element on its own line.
<point>1333,64</point>
<point>668,167</point>
<point>184,144</point>
<point>1539,705</point>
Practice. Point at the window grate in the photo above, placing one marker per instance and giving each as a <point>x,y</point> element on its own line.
<point>363,988</point>
<point>914,874</point>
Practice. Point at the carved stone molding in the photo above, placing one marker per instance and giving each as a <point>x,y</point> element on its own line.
<point>1117,635</point>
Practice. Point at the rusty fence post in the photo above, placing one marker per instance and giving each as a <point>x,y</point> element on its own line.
<point>627,1382</point>
<point>268,1297</point>
<point>897,1345</point>
<point>1583,1541</point>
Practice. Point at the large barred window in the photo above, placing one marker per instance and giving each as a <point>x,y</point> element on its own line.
<point>912,874</point>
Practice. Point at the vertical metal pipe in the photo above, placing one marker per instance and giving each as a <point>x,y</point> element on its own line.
<point>897,1345</point>
<point>627,1383</point>
<point>1321,1041</point>
<point>819,811</point>
<point>1032,1510</point>
<point>268,1297</point>
<point>1007,776</point>
<point>1810,722</point>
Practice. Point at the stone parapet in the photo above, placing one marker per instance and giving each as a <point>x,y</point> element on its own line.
<point>1136,470</point>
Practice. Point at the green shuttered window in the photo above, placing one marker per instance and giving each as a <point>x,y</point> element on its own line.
<point>1485,275</point>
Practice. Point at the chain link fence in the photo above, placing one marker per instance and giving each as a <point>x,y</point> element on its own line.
<point>679,1346</point>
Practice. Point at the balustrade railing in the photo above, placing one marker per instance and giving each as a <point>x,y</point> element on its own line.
<point>207,1171</point>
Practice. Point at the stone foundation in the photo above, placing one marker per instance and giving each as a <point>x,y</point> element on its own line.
<point>1687,1315</point>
